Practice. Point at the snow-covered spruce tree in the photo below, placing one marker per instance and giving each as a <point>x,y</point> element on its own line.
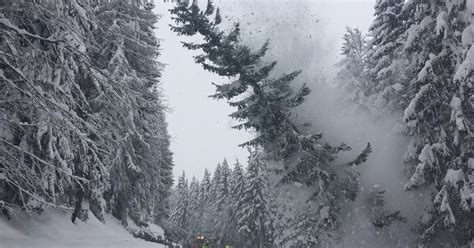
<point>179,215</point>
<point>237,186</point>
<point>129,51</point>
<point>223,209</point>
<point>214,215</point>
<point>251,207</point>
<point>265,105</point>
<point>351,73</point>
<point>81,108</point>
<point>214,218</point>
<point>194,213</point>
<point>384,75</point>
<point>305,209</point>
<point>420,60</point>
<point>206,210</point>
<point>439,115</point>
<point>223,183</point>
<point>215,186</point>
<point>52,150</point>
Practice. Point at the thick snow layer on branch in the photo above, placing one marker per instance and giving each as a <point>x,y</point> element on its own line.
<point>466,68</point>
<point>457,115</point>
<point>410,111</point>
<point>427,160</point>
<point>5,22</point>
<point>470,6</point>
<point>426,155</point>
<point>468,35</point>
<point>441,23</point>
<point>415,31</point>
<point>454,176</point>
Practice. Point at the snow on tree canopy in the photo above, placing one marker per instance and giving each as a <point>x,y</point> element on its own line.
<point>83,126</point>
<point>470,6</point>
<point>410,112</point>
<point>454,177</point>
<point>466,68</point>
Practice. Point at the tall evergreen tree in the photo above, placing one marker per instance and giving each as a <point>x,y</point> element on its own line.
<point>351,75</point>
<point>194,214</point>
<point>82,119</point>
<point>223,182</point>
<point>180,211</point>
<point>205,189</point>
<point>386,80</point>
<point>435,116</point>
<point>252,211</point>
<point>418,62</point>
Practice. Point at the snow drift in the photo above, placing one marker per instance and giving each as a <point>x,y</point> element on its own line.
<point>53,228</point>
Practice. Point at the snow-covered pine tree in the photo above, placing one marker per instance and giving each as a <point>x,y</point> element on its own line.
<point>385,79</point>
<point>180,211</point>
<point>215,186</point>
<point>438,115</point>
<point>427,46</point>
<point>82,108</point>
<point>206,209</point>
<point>223,207</point>
<point>194,214</point>
<point>252,210</point>
<point>351,73</point>
<point>237,187</point>
<point>223,184</point>
<point>130,49</point>
<point>237,181</point>
<point>52,149</point>
<point>305,211</point>
<point>129,53</point>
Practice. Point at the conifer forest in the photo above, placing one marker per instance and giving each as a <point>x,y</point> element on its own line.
<point>243,123</point>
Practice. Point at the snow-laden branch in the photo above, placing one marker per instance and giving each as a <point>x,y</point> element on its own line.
<point>6,23</point>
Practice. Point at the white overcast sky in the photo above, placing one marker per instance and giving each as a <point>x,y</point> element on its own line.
<point>199,126</point>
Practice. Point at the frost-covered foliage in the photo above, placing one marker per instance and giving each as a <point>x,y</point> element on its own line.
<point>179,212</point>
<point>265,105</point>
<point>351,73</point>
<point>420,63</point>
<point>384,73</point>
<point>251,212</point>
<point>208,207</point>
<point>81,121</point>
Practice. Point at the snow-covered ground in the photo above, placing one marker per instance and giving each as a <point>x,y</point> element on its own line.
<point>54,229</point>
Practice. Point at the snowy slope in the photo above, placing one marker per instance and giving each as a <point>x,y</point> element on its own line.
<point>54,229</point>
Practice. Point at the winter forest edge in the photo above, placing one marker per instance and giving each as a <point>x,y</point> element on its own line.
<point>83,126</point>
